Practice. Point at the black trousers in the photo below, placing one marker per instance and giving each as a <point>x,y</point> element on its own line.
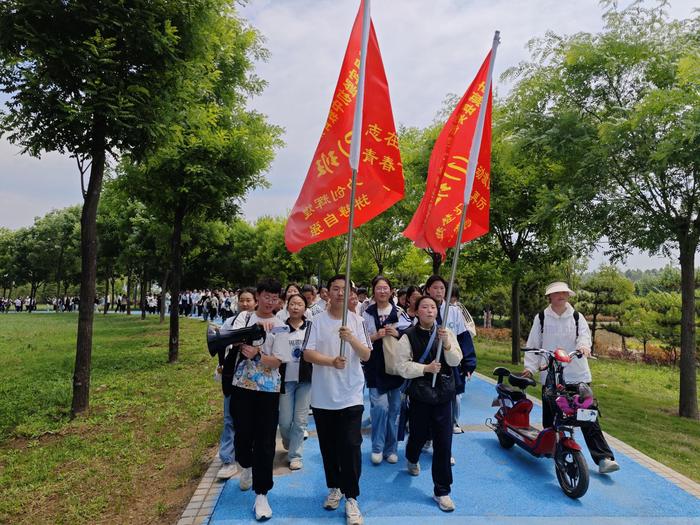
<point>592,433</point>
<point>255,415</point>
<point>340,438</point>
<point>426,422</point>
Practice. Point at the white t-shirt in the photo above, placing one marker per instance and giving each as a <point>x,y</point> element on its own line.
<point>334,389</point>
<point>382,313</point>
<point>292,343</point>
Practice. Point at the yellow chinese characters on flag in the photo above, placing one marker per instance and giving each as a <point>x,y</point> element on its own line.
<point>436,221</point>
<point>323,206</point>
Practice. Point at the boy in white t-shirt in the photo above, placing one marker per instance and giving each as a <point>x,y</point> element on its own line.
<point>337,397</point>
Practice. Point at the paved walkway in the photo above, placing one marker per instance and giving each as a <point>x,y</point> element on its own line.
<point>491,484</point>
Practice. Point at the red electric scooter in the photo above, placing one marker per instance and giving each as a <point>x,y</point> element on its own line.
<point>512,421</point>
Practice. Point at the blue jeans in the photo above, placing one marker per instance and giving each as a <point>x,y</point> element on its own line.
<point>226,441</point>
<point>384,411</point>
<point>294,413</point>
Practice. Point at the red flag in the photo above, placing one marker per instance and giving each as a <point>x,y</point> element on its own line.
<point>323,206</point>
<point>436,221</point>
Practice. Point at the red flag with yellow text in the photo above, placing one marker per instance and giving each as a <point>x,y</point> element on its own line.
<point>323,206</point>
<point>436,221</point>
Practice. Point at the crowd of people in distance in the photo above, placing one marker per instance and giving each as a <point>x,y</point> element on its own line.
<point>20,304</point>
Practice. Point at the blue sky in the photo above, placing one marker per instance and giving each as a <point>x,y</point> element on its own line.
<point>429,49</point>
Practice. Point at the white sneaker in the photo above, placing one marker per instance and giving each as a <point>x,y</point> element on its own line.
<point>262,508</point>
<point>392,458</point>
<point>413,468</point>
<point>427,446</point>
<point>452,460</point>
<point>227,471</point>
<point>445,503</point>
<point>296,464</point>
<point>376,458</point>
<point>607,465</point>
<point>333,499</point>
<point>306,435</point>
<point>457,430</point>
<point>353,516</point>
<point>246,479</point>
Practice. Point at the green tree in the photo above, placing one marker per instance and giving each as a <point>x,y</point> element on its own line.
<point>88,79</point>
<point>536,195</point>
<point>638,318</point>
<point>602,294</point>
<point>217,149</point>
<point>414,268</point>
<point>8,273</point>
<point>666,321</point>
<point>637,85</point>
<point>381,239</point>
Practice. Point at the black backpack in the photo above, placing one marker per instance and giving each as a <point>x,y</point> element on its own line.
<point>541,316</point>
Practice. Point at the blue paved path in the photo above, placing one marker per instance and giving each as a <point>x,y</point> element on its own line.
<point>491,485</point>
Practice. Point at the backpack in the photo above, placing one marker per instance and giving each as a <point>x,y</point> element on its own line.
<point>541,316</point>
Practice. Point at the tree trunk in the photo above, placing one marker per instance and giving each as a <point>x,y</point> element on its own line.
<point>437,262</point>
<point>88,273</point>
<point>594,327</point>
<point>113,284</point>
<point>163,289</point>
<point>143,293</point>
<point>176,262</point>
<point>136,289</point>
<point>688,400</point>
<point>106,305</point>
<point>128,293</point>
<point>515,321</point>
<point>32,296</point>
<point>59,271</point>
<point>380,268</point>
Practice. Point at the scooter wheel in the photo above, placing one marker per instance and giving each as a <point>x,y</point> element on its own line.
<point>572,472</point>
<point>504,439</point>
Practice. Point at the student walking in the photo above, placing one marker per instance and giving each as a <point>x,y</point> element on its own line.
<point>296,399</point>
<point>255,399</point>
<point>381,319</point>
<point>336,397</point>
<point>430,409</point>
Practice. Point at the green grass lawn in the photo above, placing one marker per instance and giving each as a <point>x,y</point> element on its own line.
<point>136,456</point>
<point>638,404</point>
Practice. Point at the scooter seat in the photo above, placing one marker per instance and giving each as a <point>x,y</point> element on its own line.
<point>510,392</point>
<point>520,381</point>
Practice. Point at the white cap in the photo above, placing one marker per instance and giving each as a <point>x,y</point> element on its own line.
<point>558,286</point>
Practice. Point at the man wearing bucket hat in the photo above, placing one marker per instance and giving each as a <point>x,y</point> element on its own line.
<point>560,326</point>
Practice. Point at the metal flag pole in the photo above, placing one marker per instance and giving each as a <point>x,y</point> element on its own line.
<point>355,157</point>
<point>471,171</point>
